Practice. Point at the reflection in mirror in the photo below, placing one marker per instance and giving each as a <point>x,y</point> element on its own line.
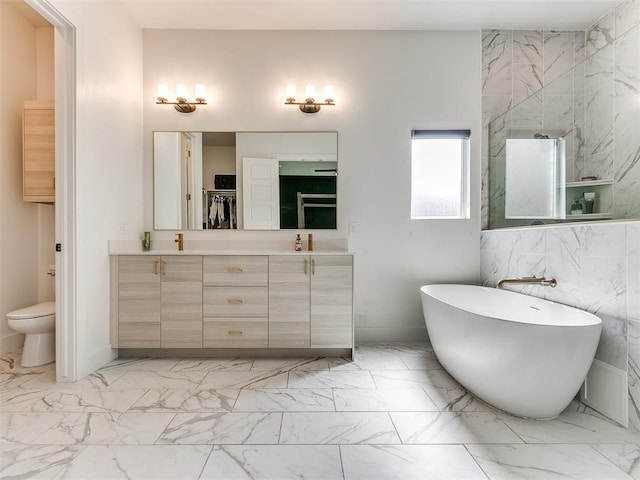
<point>601,175</point>
<point>245,180</point>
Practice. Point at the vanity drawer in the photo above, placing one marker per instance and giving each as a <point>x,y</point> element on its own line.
<point>227,332</point>
<point>235,301</point>
<point>230,270</point>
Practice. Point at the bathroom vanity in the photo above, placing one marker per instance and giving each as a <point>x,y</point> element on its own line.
<point>271,303</point>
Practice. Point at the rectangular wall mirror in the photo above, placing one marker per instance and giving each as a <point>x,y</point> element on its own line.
<point>245,180</point>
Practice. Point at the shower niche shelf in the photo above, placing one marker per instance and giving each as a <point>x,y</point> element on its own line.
<point>589,183</point>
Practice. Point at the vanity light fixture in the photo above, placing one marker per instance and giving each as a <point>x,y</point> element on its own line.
<point>182,104</point>
<point>309,105</point>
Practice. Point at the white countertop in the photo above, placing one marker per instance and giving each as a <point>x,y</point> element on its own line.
<point>230,252</point>
<point>228,247</point>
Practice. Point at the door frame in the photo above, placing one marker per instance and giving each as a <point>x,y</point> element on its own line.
<point>65,196</point>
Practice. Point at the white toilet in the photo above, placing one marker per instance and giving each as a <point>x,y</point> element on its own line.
<point>38,323</point>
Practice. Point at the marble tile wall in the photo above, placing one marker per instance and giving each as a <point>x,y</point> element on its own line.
<point>527,83</point>
<point>584,85</point>
<point>597,268</point>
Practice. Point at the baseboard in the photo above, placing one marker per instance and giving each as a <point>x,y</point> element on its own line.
<point>12,342</point>
<point>605,390</point>
<point>390,334</point>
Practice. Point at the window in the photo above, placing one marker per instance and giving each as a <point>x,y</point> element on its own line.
<point>440,174</point>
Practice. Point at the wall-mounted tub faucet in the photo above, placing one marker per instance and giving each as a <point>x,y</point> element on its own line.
<point>543,282</point>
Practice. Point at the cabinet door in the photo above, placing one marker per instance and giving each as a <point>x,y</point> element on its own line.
<point>332,301</point>
<point>139,302</point>
<point>38,165</point>
<point>289,296</point>
<point>181,304</point>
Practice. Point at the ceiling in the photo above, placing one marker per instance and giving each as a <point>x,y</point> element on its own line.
<point>368,14</point>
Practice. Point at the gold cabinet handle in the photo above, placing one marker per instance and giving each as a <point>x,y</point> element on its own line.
<point>163,267</point>
<point>234,332</point>
<point>155,267</point>
<point>234,301</point>
<point>306,266</point>
<point>313,267</point>
<point>234,270</point>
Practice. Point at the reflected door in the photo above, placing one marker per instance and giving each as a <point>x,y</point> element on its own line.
<point>261,198</point>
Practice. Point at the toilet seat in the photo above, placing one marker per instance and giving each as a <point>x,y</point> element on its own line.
<point>44,309</point>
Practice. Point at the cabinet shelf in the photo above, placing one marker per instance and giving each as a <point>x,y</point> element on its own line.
<point>589,183</point>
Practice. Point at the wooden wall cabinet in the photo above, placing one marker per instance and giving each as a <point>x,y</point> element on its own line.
<point>38,152</point>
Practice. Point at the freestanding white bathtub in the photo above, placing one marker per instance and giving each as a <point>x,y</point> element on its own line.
<point>523,355</point>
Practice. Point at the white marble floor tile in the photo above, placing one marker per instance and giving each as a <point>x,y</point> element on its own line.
<point>43,462</point>
<point>47,381</point>
<point>13,379</point>
<point>383,400</point>
<point>127,364</point>
<point>577,424</point>
<point>285,400</point>
<point>409,462</point>
<point>450,396</point>
<point>139,462</point>
<point>289,364</point>
<point>625,456</point>
<point>209,364</point>
<point>106,429</point>
<point>330,379</point>
<point>87,400</point>
<point>159,380</point>
<point>544,462</point>
<point>337,428</point>
<point>421,361</point>
<point>10,363</point>
<point>241,380</point>
<point>452,427</point>
<point>274,462</point>
<point>25,427</point>
<point>180,400</point>
<point>403,378</point>
<point>222,428</point>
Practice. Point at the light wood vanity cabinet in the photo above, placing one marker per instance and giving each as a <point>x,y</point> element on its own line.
<point>310,301</point>
<point>235,297</point>
<point>159,301</point>
<point>181,302</point>
<point>38,152</point>
<point>226,301</point>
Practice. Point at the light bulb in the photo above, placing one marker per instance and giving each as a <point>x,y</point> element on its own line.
<point>163,92</point>
<point>181,91</point>
<point>310,91</point>
<point>291,92</point>
<point>201,92</point>
<point>328,93</point>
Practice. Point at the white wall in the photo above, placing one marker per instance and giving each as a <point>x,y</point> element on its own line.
<point>18,220</point>
<point>108,175</point>
<point>387,83</point>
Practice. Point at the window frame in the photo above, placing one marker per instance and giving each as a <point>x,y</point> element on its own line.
<point>465,171</point>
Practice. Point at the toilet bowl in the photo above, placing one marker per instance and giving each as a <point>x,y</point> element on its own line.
<point>38,323</point>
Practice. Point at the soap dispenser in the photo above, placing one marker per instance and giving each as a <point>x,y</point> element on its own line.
<point>297,246</point>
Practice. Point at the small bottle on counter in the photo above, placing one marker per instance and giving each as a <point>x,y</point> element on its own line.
<point>146,242</point>
<point>310,242</point>
<point>297,246</point>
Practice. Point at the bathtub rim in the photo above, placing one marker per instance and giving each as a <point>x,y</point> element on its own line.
<point>594,319</point>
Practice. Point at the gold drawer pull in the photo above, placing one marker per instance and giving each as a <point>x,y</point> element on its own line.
<point>155,267</point>
<point>234,270</point>
<point>235,301</point>
<point>234,332</point>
